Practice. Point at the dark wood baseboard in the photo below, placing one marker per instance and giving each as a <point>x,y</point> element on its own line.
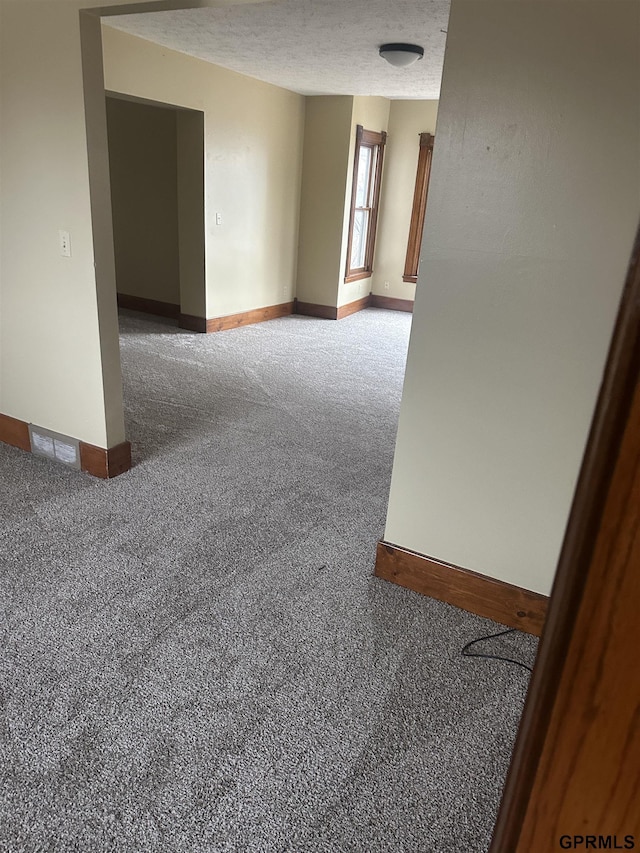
<point>353,307</point>
<point>259,315</point>
<point>14,432</point>
<point>100,462</point>
<point>391,303</point>
<point>149,306</point>
<point>235,321</point>
<point>310,309</point>
<point>105,463</point>
<point>248,318</point>
<point>493,599</point>
<point>329,312</point>
<point>192,323</point>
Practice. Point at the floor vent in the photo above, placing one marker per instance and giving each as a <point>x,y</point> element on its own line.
<point>63,449</point>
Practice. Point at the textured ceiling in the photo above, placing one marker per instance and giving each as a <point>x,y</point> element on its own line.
<point>314,47</point>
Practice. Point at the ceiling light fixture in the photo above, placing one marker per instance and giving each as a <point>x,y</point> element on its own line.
<point>401,55</point>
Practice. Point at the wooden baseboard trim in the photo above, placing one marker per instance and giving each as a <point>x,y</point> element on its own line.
<point>149,306</point>
<point>14,432</point>
<point>493,599</point>
<point>100,462</point>
<point>248,318</point>
<point>330,312</point>
<point>353,307</point>
<point>235,321</point>
<point>310,309</point>
<point>191,323</point>
<point>391,303</point>
<point>105,463</point>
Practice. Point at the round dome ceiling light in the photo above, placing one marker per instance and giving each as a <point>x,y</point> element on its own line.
<point>401,55</point>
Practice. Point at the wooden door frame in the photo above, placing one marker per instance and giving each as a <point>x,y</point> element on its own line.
<point>578,582</point>
<point>419,208</point>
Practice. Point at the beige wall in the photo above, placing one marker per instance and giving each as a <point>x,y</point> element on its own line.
<point>143,164</point>
<point>54,343</point>
<point>253,163</point>
<point>191,219</point>
<point>59,356</point>
<point>329,149</point>
<point>373,114</point>
<point>407,120</point>
<point>325,169</point>
<point>528,234</point>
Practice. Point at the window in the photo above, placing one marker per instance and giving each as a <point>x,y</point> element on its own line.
<point>365,195</point>
<point>412,261</point>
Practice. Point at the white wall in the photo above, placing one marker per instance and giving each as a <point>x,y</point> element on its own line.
<point>253,164</point>
<point>407,120</point>
<point>533,205</point>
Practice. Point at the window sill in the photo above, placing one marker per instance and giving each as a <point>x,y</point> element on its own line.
<point>411,279</point>
<point>356,276</point>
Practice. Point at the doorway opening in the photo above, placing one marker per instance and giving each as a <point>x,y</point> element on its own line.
<point>156,163</point>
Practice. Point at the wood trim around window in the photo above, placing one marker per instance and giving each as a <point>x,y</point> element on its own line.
<point>365,137</point>
<point>412,260</point>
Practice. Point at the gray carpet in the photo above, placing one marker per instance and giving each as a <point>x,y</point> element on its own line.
<point>195,656</point>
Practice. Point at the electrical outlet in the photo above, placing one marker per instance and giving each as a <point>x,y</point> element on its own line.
<point>64,242</point>
<point>218,219</point>
<point>387,285</point>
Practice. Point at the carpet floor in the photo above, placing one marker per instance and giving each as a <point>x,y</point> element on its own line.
<point>195,656</point>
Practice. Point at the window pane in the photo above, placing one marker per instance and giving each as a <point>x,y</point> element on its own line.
<point>359,241</point>
<point>364,171</point>
<point>367,163</point>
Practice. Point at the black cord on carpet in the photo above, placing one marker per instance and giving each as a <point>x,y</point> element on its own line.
<point>465,651</point>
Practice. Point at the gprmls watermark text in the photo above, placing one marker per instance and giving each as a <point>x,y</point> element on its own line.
<point>597,842</point>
